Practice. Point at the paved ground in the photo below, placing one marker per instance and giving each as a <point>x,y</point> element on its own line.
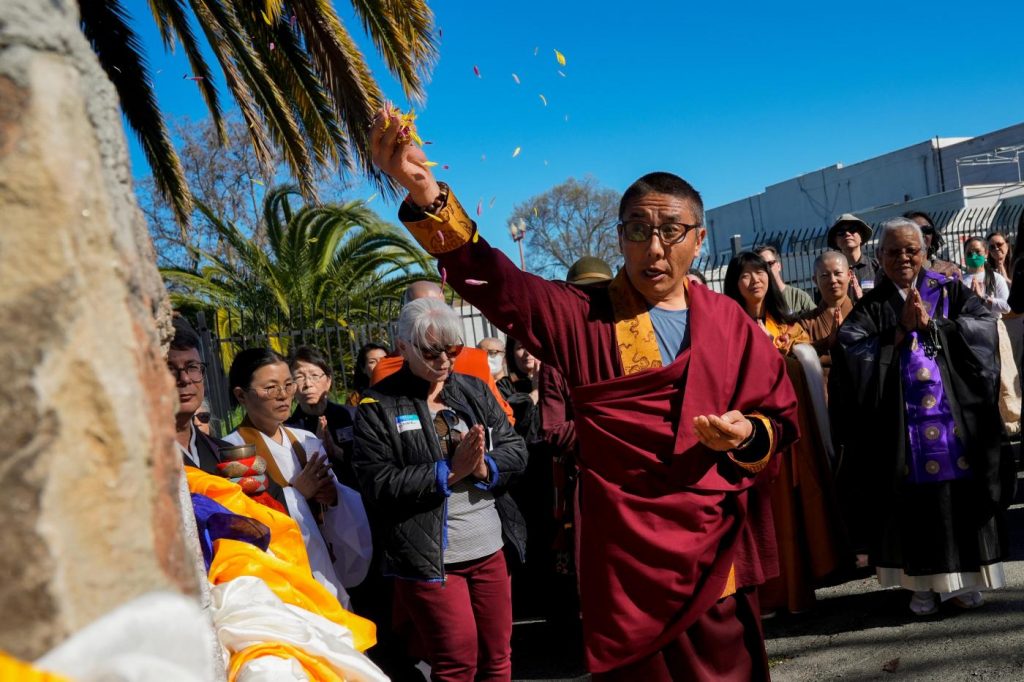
<point>857,632</point>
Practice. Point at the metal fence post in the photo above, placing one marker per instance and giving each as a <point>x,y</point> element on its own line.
<point>216,381</point>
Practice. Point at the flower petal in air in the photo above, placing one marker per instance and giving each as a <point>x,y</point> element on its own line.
<point>560,57</point>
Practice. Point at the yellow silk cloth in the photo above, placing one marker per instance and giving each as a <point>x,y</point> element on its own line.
<point>11,670</point>
<point>284,568</point>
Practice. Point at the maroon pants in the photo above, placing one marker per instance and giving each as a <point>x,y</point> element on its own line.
<point>725,645</point>
<point>464,625</point>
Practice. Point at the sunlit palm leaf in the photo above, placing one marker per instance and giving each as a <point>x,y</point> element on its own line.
<point>105,24</point>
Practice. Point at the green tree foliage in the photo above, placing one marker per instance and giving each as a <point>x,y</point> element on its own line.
<point>314,256</point>
<point>573,219</point>
<point>293,69</point>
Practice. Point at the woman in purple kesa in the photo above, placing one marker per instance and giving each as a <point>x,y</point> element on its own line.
<point>915,375</point>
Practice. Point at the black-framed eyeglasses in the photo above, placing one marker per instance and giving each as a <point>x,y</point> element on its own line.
<point>308,378</point>
<point>202,417</point>
<point>896,253</point>
<point>194,371</point>
<point>670,233</point>
<point>275,391</point>
<point>430,353</point>
<point>927,230</point>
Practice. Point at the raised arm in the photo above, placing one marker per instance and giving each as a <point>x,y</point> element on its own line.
<point>533,310</point>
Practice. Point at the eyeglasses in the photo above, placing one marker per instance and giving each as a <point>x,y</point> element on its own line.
<point>846,230</point>
<point>927,230</point>
<point>896,253</point>
<point>308,378</point>
<point>997,245</point>
<point>670,233</point>
<point>194,372</point>
<point>275,391</point>
<point>434,352</point>
<point>444,424</point>
<point>202,417</point>
<point>495,353</point>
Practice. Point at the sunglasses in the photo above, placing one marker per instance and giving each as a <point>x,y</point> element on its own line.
<point>435,352</point>
<point>203,417</point>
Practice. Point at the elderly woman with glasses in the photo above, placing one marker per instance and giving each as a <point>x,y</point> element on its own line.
<point>915,377</point>
<point>434,455</point>
<point>330,515</point>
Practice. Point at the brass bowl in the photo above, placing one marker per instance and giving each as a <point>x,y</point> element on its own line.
<point>235,452</point>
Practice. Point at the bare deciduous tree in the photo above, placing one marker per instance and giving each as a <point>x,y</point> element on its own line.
<point>573,219</point>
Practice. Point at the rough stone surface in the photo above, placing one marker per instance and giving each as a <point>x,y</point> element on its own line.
<point>89,478</point>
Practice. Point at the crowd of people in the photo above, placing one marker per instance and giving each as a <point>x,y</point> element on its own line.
<point>652,465</point>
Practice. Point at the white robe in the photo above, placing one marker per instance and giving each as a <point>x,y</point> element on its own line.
<point>345,527</point>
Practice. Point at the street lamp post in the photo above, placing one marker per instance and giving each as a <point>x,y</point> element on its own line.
<point>518,231</point>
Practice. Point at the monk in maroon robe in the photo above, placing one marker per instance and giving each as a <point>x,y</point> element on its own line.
<point>681,403</point>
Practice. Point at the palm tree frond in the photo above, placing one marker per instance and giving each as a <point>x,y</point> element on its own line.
<point>105,24</point>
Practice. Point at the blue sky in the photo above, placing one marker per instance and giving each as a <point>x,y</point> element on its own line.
<point>732,96</point>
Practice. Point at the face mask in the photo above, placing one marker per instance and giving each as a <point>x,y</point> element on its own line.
<point>494,364</point>
<point>974,260</point>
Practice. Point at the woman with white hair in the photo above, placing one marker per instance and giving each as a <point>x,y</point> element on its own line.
<point>434,456</point>
<point>917,368</point>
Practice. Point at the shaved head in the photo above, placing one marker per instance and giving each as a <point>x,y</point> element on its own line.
<point>422,289</point>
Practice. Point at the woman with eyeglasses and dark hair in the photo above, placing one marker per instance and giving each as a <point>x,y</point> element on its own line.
<point>986,283</point>
<point>317,413</point>
<point>1000,256</point>
<point>808,523</point>
<point>434,455</point>
<point>933,242</point>
<point>331,516</point>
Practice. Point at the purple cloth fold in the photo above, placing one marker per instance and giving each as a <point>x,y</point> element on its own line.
<point>217,522</point>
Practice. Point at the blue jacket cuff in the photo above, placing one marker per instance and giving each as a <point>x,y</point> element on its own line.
<point>441,472</point>
<point>492,480</point>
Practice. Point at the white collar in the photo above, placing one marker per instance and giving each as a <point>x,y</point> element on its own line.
<point>192,453</point>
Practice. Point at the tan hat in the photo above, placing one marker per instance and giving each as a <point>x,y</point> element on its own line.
<point>588,270</point>
<point>849,219</point>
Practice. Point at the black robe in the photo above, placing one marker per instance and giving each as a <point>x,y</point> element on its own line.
<point>933,528</point>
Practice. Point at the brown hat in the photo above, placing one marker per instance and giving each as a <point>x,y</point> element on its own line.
<point>853,221</point>
<point>588,270</point>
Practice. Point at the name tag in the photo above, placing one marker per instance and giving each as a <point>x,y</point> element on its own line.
<point>867,284</point>
<point>408,422</point>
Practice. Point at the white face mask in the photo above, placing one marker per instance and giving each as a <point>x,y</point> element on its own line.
<point>495,364</point>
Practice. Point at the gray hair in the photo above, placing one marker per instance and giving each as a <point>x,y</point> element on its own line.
<point>831,255</point>
<point>893,224</point>
<point>428,317</point>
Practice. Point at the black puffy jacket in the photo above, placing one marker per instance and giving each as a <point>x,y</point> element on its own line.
<point>397,471</point>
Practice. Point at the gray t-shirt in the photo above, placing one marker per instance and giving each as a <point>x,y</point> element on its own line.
<point>797,300</point>
<point>474,527</point>
<point>672,328</point>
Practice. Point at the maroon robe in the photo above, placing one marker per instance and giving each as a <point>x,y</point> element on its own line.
<point>663,517</point>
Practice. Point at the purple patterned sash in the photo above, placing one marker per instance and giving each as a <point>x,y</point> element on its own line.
<point>936,453</point>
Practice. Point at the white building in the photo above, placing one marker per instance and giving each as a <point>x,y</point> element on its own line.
<point>937,175</point>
